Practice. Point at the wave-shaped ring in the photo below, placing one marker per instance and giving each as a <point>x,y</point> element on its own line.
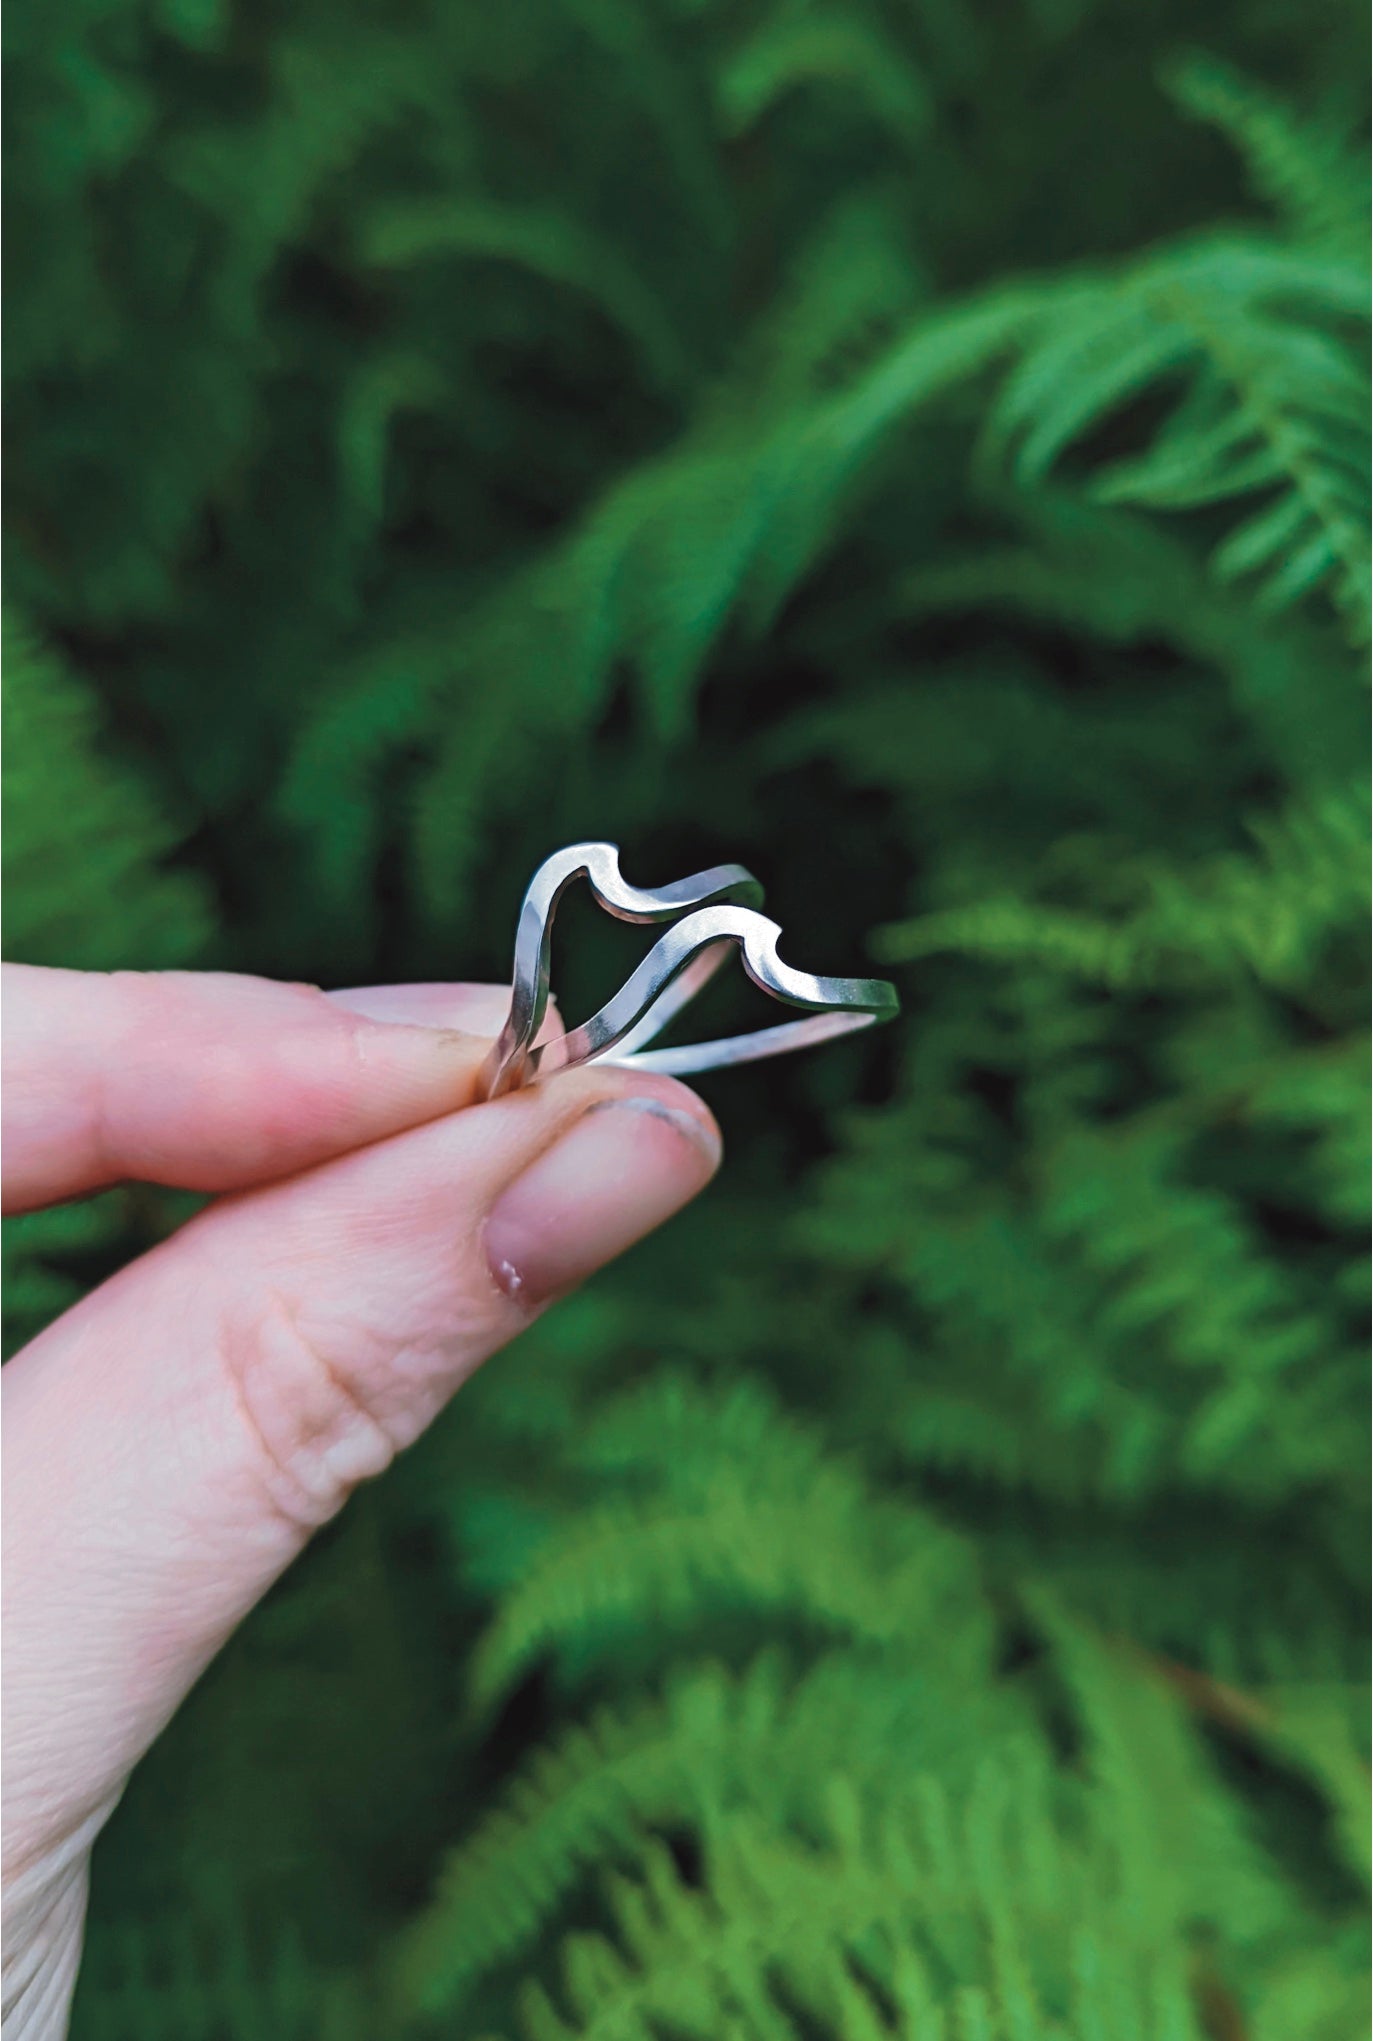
<point>718,913</point>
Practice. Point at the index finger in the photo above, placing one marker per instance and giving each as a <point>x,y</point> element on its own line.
<point>210,1082</point>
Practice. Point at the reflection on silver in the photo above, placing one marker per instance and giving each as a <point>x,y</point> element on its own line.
<point>718,911</point>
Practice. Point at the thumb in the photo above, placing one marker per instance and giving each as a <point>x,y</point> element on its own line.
<point>172,1441</point>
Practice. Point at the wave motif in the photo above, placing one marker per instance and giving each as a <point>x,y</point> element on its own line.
<point>718,913</point>
<point>514,1060</point>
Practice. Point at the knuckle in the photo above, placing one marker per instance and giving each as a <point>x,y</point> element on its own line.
<point>312,1432</point>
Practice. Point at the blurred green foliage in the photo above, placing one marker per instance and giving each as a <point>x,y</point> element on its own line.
<point>920,451</point>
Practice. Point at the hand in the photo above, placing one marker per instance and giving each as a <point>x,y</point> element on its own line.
<point>172,1442</point>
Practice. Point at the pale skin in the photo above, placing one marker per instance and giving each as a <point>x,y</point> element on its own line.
<point>171,1443</point>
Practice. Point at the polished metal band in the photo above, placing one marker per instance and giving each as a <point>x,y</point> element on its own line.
<point>717,911</point>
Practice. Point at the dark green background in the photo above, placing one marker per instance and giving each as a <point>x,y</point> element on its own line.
<point>919,451</point>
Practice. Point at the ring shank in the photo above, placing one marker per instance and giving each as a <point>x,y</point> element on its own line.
<point>751,1048</point>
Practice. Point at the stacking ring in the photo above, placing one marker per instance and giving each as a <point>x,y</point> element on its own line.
<point>718,912</point>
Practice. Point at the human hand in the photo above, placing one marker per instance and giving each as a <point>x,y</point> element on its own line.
<point>172,1441</point>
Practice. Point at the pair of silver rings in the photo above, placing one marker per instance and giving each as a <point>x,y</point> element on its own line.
<point>710,913</point>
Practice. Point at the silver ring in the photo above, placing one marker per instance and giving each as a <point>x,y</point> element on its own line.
<point>514,1059</point>
<point>718,913</point>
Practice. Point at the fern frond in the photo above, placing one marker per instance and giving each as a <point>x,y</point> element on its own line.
<point>1178,1837</point>
<point>582,1802</point>
<point>935,1909</point>
<point>763,1741</point>
<point>329,791</point>
<point>1120,579</point>
<point>1129,1310</point>
<point>849,290</point>
<point>544,244</point>
<point>1320,1730</point>
<point>86,882</point>
<point>1321,1095</point>
<point>815,1560</point>
<point>1254,346</point>
<point>830,49</point>
<point>1175,1263</point>
<point>317,121</point>
<point>1267,913</point>
<point>907,1926</point>
<point>728,522</point>
<point>1300,170</point>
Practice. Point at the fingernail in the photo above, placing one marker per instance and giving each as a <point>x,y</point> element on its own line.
<point>619,1171</point>
<point>475,1009</point>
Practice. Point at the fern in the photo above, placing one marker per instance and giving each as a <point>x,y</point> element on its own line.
<point>1268,914</point>
<point>903,1913</point>
<point>39,1251</point>
<point>547,246</point>
<point>923,1594</point>
<point>720,1752</point>
<point>1312,1095</point>
<point>863,1935</point>
<point>1301,171</point>
<point>809,47</point>
<point>88,882</point>
<point>778,1529</point>
<point>764,1741</point>
<point>1116,1248</point>
<point>1272,403</point>
<point>184,1980</point>
<point>85,882</point>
